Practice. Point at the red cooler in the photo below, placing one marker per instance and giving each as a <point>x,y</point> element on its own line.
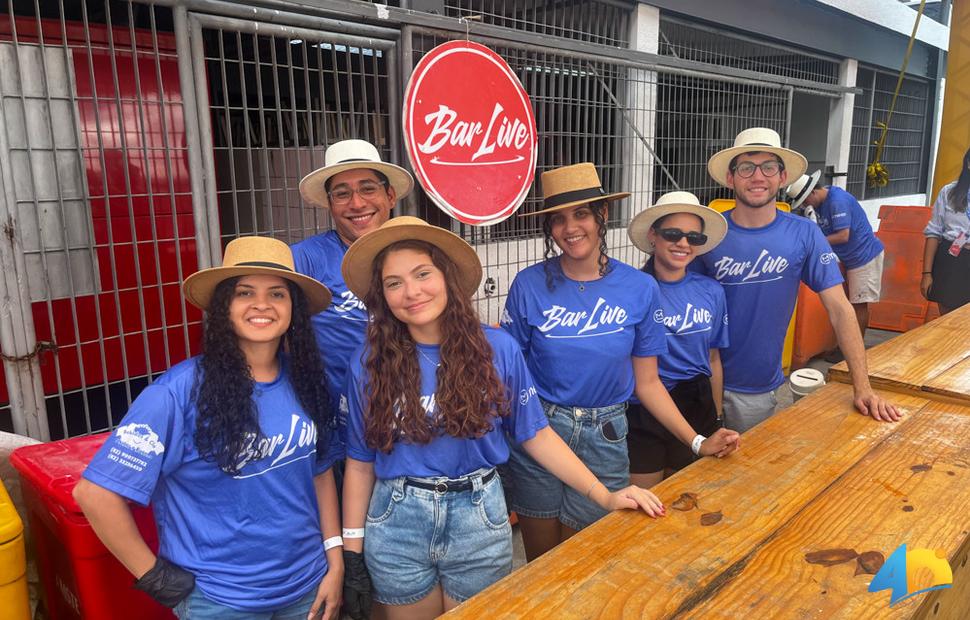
<point>81,578</point>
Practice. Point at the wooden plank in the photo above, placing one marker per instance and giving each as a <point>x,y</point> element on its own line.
<point>630,566</point>
<point>911,360</point>
<point>953,383</point>
<point>913,488</point>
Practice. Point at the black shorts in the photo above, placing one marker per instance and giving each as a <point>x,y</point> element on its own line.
<point>951,277</point>
<point>652,447</point>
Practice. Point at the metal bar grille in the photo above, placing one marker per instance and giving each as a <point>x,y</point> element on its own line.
<point>605,23</point>
<point>110,235</point>
<point>905,152</point>
<point>692,41</point>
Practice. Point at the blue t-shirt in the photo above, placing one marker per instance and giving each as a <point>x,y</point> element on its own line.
<point>840,211</point>
<point>340,329</point>
<point>445,455</point>
<point>578,338</point>
<point>760,270</point>
<point>252,540</point>
<point>693,310</point>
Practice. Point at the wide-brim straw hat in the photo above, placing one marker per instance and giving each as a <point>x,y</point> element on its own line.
<point>349,155</point>
<point>715,226</point>
<point>760,139</point>
<point>570,186</point>
<point>800,189</point>
<point>358,262</point>
<point>247,256</point>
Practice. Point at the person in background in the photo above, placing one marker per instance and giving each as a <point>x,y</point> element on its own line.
<point>846,227</point>
<point>233,449</point>
<point>585,323</point>
<point>434,400</point>
<point>693,312</point>
<point>946,254</point>
<point>760,263</point>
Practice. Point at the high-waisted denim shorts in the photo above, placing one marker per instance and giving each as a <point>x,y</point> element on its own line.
<point>598,437</point>
<point>416,538</point>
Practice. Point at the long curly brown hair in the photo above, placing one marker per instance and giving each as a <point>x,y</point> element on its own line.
<point>469,393</point>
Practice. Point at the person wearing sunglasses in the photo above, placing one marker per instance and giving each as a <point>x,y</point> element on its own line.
<point>693,311</point>
<point>585,323</point>
<point>764,256</point>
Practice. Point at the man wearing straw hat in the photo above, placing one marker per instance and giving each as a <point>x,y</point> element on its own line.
<point>846,227</point>
<point>359,190</point>
<point>760,262</point>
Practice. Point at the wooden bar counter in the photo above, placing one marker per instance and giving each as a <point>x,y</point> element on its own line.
<point>933,358</point>
<point>818,481</point>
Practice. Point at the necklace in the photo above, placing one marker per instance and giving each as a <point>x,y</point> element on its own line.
<point>425,356</point>
<point>582,287</point>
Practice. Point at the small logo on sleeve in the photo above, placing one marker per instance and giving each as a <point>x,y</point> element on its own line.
<point>827,258</point>
<point>141,438</point>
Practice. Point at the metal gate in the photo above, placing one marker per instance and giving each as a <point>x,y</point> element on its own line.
<point>138,136</point>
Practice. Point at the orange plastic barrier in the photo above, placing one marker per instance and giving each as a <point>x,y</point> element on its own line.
<point>813,331</point>
<point>902,307</point>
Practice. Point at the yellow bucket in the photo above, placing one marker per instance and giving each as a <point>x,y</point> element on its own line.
<point>13,562</point>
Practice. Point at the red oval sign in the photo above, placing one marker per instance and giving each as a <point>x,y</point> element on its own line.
<point>470,132</point>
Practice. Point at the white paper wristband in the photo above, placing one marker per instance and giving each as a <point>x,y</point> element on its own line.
<point>333,541</point>
<point>695,444</point>
<point>353,532</point>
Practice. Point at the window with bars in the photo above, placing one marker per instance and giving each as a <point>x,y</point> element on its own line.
<point>905,151</point>
<point>694,41</point>
<point>603,22</point>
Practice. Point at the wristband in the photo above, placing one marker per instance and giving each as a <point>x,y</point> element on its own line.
<point>333,541</point>
<point>927,272</point>
<point>591,487</point>
<point>353,532</point>
<point>695,444</point>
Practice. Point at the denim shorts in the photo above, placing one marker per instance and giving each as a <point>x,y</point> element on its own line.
<point>598,437</point>
<point>197,607</point>
<point>416,538</point>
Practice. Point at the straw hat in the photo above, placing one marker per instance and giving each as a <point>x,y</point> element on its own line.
<point>800,189</point>
<point>715,226</point>
<point>760,139</point>
<point>359,259</point>
<point>569,186</point>
<point>349,155</point>
<point>247,256</point>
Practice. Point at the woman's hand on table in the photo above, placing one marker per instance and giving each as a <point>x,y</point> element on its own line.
<point>630,498</point>
<point>721,443</point>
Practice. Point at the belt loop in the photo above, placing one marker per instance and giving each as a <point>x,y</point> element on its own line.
<point>398,488</point>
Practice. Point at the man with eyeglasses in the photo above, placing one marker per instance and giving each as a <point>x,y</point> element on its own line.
<point>763,257</point>
<point>359,191</point>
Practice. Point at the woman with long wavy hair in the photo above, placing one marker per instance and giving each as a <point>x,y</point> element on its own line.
<point>587,327</point>
<point>433,400</point>
<point>234,450</point>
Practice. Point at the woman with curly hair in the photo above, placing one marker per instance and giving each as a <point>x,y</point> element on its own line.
<point>586,325</point>
<point>234,450</point>
<point>433,400</point>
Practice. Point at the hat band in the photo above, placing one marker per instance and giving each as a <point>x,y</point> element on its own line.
<point>257,263</point>
<point>803,191</point>
<point>573,196</point>
<point>344,161</point>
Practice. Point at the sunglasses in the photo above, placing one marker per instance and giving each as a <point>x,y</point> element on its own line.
<point>673,235</point>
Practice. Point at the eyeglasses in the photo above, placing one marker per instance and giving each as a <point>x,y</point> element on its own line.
<point>673,235</point>
<point>343,195</point>
<point>768,168</point>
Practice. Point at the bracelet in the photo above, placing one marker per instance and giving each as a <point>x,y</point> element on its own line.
<point>591,487</point>
<point>353,532</point>
<point>926,272</point>
<point>695,444</point>
<point>333,541</point>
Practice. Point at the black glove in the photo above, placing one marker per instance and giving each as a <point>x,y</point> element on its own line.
<point>166,583</point>
<point>357,587</point>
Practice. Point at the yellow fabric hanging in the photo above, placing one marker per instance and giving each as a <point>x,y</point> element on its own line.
<point>876,173</point>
